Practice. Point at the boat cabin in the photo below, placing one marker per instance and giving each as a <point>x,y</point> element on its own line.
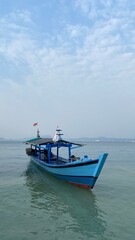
<point>44,149</point>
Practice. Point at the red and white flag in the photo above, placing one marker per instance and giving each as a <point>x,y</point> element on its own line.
<point>35,124</point>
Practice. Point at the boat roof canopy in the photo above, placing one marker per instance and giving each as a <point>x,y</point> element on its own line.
<point>44,141</point>
<point>39,141</point>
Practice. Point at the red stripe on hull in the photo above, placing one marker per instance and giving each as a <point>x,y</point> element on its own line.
<point>81,185</point>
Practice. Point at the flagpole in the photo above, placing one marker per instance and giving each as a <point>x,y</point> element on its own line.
<point>36,124</point>
<point>38,135</point>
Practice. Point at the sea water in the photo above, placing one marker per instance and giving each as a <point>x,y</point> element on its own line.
<point>37,206</point>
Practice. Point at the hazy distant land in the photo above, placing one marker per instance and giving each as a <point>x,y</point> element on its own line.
<point>84,139</point>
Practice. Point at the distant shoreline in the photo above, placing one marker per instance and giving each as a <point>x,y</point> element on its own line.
<point>85,139</point>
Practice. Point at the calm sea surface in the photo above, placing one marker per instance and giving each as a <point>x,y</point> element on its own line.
<point>36,206</point>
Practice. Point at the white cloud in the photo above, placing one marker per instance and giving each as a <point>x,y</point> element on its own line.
<point>24,16</point>
<point>105,9</point>
<point>76,31</point>
<point>67,82</point>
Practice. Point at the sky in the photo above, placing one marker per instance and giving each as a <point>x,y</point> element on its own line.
<point>69,63</point>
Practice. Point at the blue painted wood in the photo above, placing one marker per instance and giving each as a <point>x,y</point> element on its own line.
<point>83,172</point>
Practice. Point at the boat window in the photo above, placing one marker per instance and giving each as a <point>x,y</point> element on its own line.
<point>63,152</point>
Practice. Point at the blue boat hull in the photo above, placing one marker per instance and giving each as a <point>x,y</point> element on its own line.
<point>83,173</point>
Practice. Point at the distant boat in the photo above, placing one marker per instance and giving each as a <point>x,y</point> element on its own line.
<point>82,172</point>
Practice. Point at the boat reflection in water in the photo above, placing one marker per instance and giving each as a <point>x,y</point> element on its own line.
<point>64,210</point>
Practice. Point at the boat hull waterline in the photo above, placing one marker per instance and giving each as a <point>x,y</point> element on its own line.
<point>83,173</point>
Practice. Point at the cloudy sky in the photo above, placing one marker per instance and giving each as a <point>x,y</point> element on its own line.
<point>69,63</point>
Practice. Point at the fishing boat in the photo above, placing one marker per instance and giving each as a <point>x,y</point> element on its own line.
<point>45,152</point>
